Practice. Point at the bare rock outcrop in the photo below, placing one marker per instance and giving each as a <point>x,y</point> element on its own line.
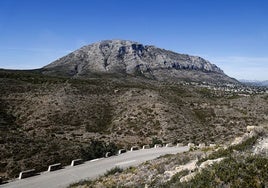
<point>131,58</point>
<point>261,147</point>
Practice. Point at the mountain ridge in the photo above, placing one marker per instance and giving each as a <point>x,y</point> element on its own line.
<point>51,119</point>
<point>132,58</point>
<point>263,83</point>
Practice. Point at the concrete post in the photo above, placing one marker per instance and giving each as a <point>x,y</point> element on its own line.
<point>27,173</point>
<point>122,151</point>
<point>169,145</point>
<point>76,162</point>
<point>133,148</point>
<point>54,167</point>
<point>157,146</point>
<point>108,154</point>
<point>146,147</point>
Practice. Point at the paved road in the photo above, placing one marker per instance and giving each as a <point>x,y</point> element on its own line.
<point>91,169</point>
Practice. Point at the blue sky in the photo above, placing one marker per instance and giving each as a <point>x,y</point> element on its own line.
<point>232,34</point>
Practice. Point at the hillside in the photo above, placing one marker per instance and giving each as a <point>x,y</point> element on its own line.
<point>46,119</point>
<point>121,58</point>
<point>255,83</point>
<point>234,164</point>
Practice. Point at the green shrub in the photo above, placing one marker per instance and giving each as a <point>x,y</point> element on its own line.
<point>82,182</point>
<point>246,172</point>
<point>97,149</point>
<point>113,171</point>
<point>101,120</point>
<point>247,144</point>
<point>155,140</point>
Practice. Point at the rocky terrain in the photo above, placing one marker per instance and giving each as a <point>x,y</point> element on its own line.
<point>123,57</point>
<point>233,164</point>
<point>117,94</point>
<point>45,120</point>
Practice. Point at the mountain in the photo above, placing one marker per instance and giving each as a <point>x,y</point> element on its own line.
<point>54,115</point>
<point>121,57</point>
<point>255,82</point>
<point>264,83</point>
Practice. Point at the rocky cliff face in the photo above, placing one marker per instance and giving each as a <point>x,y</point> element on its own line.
<point>132,58</point>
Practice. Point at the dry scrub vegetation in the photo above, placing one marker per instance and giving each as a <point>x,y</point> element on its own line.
<point>46,120</point>
<point>239,166</point>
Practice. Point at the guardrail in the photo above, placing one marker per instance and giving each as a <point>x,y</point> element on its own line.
<point>179,144</point>
<point>133,148</point>
<point>169,145</point>
<point>32,172</point>
<point>146,147</point>
<point>122,151</point>
<point>27,173</point>
<point>201,145</point>
<point>54,167</point>
<point>108,154</point>
<point>76,162</point>
<point>157,145</point>
<point>191,145</point>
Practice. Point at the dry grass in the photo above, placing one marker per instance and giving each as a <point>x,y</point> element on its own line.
<point>45,120</point>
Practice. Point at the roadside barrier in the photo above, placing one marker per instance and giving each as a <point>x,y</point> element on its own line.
<point>146,147</point>
<point>133,148</point>
<point>27,173</point>
<point>157,145</point>
<point>179,144</point>
<point>169,145</point>
<point>76,162</point>
<point>108,154</point>
<point>54,167</point>
<point>122,151</point>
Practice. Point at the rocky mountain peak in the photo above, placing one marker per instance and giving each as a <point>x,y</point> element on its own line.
<point>133,58</point>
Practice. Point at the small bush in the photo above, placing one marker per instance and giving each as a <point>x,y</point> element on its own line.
<point>241,171</point>
<point>155,140</point>
<point>113,171</point>
<point>247,144</point>
<point>82,182</point>
<point>98,149</point>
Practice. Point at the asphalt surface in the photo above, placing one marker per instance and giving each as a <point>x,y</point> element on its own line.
<point>91,169</point>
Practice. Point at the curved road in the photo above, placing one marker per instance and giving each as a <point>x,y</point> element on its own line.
<point>91,169</point>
